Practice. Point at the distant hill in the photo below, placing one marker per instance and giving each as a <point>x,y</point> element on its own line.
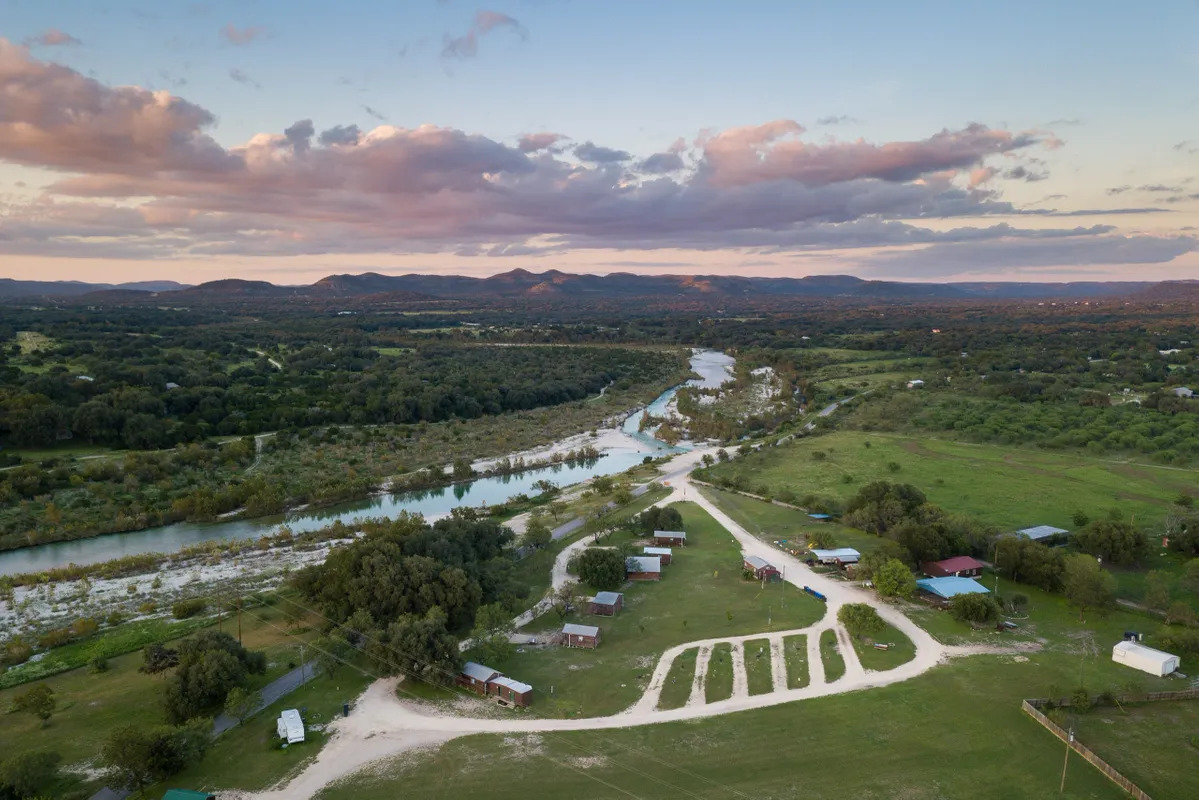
<point>555,284</point>
<point>10,288</point>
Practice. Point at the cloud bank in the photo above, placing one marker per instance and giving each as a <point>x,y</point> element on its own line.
<point>139,175</point>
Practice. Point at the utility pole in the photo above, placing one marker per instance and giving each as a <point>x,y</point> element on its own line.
<point>1066,762</point>
<point>240,602</point>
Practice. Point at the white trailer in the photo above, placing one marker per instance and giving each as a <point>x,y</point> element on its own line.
<point>290,727</point>
<point>1146,659</point>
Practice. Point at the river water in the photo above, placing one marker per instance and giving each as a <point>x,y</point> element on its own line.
<point>714,368</point>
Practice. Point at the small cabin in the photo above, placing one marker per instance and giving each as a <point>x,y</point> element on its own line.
<point>643,568</point>
<point>606,604</point>
<point>670,538</point>
<point>762,569</point>
<point>585,636</point>
<point>663,553</point>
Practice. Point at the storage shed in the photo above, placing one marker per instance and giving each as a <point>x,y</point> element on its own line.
<point>670,538</point>
<point>290,727</point>
<point>1042,532</point>
<point>839,556</point>
<point>1146,659</point>
<point>476,677</point>
<point>948,588</point>
<point>643,568</point>
<point>587,636</point>
<point>606,604</point>
<point>958,566</point>
<point>511,691</point>
<point>762,569</point>
<point>663,553</point>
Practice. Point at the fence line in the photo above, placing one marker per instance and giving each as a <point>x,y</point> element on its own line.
<point>1087,754</point>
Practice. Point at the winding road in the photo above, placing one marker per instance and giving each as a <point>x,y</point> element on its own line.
<point>383,726</point>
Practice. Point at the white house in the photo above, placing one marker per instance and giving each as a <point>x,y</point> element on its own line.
<point>1183,391</point>
<point>1146,659</point>
<point>916,384</point>
<point>290,727</point>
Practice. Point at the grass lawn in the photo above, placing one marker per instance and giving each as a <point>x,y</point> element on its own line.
<point>956,731</point>
<point>534,571</point>
<point>871,657</point>
<point>718,685</point>
<point>787,526</point>
<point>834,664</point>
<point>757,666</point>
<point>1150,744</point>
<point>795,652</point>
<point>677,688</point>
<point>90,706</point>
<point>1011,487</point>
<point>701,595</point>
<point>244,756</point>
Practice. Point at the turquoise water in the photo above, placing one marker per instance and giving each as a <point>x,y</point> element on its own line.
<point>712,366</point>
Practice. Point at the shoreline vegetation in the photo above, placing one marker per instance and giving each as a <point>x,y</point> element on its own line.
<point>275,473</point>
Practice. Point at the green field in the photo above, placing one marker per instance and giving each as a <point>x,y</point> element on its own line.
<point>757,666</point>
<point>907,740</point>
<point>1151,744</point>
<point>830,655</point>
<point>795,651</point>
<point>718,685</point>
<point>679,679</point>
<point>244,757</point>
<point>1010,487</point>
<point>90,706</point>
<point>901,651</point>
<point>701,596</point>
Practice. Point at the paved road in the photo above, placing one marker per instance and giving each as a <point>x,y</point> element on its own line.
<point>281,686</point>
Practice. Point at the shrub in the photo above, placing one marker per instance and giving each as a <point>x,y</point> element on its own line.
<point>16,651</point>
<point>85,626</point>
<point>115,618</point>
<point>97,664</point>
<point>148,607</point>
<point>894,579</point>
<point>55,638</point>
<point>860,619</point>
<point>974,608</point>
<point>188,608</point>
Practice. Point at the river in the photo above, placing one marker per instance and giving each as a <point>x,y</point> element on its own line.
<point>713,367</point>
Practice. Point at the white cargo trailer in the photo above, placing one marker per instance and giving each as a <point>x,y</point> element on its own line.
<point>1146,659</point>
<point>290,727</point>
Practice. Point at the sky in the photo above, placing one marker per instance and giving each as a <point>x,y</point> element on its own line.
<point>941,141</point>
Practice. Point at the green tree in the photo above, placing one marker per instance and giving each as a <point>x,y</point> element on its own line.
<point>1087,585</point>
<point>1115,541</point>
<point>331,652</point>
<point>38,700</point>
<point>28,775</point>
<point>821,538</point>
<point>1157,589</point>
<point>894,579</point>
<point>974,608</point>
<point>210,665</point>
<point>462,469</point>
<point>240,703</point>
<point>492,631</point>
<point>564,598</point>
<point>601,568</point>
<point>860,619</point>
<point>420,647</point>
<point>136,756</point>
<point>537,534</point>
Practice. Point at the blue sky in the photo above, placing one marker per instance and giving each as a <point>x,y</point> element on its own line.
<point>1108,91</point>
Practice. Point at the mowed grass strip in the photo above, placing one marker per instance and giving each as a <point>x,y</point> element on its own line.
<point>701,596</point>
<point>900,651</point>
<point>795,654</point>
<point>757,666</point>
<point>834,664</point>
<point>718,685</point>
<point>677,688</point>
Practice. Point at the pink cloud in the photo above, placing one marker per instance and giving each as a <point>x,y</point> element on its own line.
<point>241,36</point>
<point>52,37</point>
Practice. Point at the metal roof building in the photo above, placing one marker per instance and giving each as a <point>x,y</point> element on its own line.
<point>1041,532</point>
<point>643,564</point>
<point>607,598</point>
<point>514,685</point>
<point>842,555</point>
<point>1146,659</point>
<point>947,588</point>
<point>574,629</point>
<point>478,672</point>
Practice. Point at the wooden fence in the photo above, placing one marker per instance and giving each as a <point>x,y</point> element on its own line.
<point>1101,765</point>
<point>1033,707</point>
